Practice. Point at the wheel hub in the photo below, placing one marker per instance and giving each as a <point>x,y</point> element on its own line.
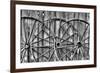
<point>79,44</point>
<point>57,44</point>
<point>27,46</point>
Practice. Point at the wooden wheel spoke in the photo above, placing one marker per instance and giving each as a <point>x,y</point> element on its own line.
<point>66,55</point>
<point>71,44</point>
<point>42,47</point>
<point>73,54</point>
<point>59,30</point>
<point>59,38</point>
<point>22,49</point>
<point>45,53</point>
<point>32,30</point>
<point>48,35</point>
<point>35,36</point>
<point>24,31</point>
<point>38,53</point>
<point>42,40</point>
<point>23,56</point>
<point>69,37</point>
<point>50,31</point>
<point>85,47</point>
<point>81,51</point>
<point>66,31</point>
<point>85,31</point>
<point>67,42</point>
<point>33,55</point>
<point>51,56</point>
<point>86,39</point>
<point>85,44</point>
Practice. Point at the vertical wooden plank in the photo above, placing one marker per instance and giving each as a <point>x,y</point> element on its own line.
<point>37,14</point>
<point>43,15</point>
<point>49,22</point>
<point>28,33</point>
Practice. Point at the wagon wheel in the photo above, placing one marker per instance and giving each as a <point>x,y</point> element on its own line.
<point>70,38</point>
<point>30,30</point>
<point>77,31</point>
